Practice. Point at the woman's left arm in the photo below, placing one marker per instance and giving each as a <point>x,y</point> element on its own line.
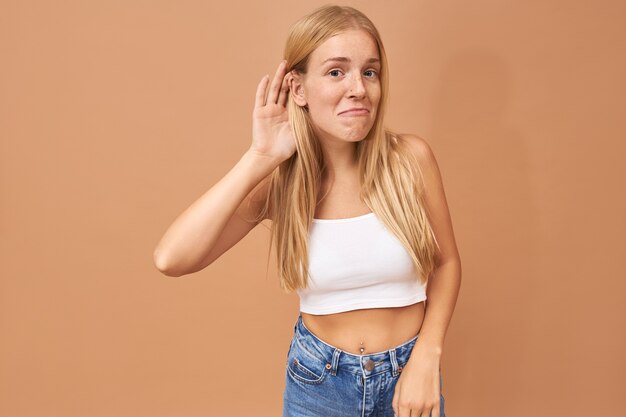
<point>418,388</point>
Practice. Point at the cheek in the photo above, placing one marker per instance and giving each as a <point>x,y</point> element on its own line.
<point>376,92</point>
<point>327,95</point>
<point>321,90</point>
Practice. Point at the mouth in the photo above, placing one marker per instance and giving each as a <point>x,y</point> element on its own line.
<point>355,112</point>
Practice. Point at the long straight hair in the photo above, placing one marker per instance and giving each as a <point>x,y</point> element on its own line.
<point>390,177</point>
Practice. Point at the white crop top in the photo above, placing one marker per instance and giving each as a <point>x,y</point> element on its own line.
<point>356,263</point>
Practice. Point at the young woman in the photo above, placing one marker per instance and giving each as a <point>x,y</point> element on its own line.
<point>359,220</point>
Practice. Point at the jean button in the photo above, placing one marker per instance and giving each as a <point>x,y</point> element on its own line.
<point>369,365</point>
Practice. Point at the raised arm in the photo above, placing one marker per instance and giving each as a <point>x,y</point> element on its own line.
<point>207,228</point>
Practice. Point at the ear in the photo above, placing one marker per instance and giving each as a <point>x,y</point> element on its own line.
<point>296,89</point>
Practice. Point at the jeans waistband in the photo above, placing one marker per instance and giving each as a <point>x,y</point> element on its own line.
<point>366,364</point>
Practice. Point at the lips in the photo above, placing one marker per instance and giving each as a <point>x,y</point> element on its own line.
<point>355,111</point>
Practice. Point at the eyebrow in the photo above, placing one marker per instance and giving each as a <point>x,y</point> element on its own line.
<point>345,59</point>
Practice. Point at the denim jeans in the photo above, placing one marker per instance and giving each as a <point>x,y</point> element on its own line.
<point>322,380</point>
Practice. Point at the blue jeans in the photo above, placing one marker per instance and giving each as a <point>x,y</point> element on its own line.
<point>322,380</point>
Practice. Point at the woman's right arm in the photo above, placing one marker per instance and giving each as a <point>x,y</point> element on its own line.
<point>188,244</point>
<point>208,228</point>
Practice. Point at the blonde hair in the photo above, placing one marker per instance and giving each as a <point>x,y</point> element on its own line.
<point>391,180</point>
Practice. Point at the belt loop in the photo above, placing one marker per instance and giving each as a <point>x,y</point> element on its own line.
<point>394,362</point>
<point>335,364</point>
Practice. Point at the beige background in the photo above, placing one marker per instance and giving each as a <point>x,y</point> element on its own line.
<point>115,116</point>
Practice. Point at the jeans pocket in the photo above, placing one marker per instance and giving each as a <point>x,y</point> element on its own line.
<point>305,367</point>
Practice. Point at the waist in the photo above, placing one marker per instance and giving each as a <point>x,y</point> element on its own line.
<point>375,329</point>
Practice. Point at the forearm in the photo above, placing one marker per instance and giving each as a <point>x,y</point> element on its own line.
<point>442,292</point>
<point>192,235</point>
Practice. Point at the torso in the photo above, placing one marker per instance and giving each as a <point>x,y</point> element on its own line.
<point>376,329</point>
<point>379,329</point>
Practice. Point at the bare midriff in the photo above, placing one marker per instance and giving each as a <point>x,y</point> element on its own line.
<point>374,329</point>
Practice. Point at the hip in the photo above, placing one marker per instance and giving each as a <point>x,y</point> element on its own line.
<point>323,380</point>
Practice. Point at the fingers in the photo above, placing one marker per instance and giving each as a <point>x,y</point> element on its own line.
<point>276,83</point>
<point>284,90</point>
<point>278,90</point>
<point>259,100</point>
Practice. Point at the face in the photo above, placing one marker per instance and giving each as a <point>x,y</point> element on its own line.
<point>331,86</point>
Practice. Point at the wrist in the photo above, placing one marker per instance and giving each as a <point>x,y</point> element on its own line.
<point>268,162</point>
<point>428,347</point>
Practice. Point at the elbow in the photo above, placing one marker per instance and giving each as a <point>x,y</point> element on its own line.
<point>162,263</point>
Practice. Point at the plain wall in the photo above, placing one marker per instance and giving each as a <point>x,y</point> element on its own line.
<point>115,116</point>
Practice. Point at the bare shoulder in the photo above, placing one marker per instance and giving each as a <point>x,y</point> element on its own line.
<point>419,147</point>
<point>434,196</point>
<point>425,158</point>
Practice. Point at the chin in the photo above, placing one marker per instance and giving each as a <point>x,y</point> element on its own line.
<point>357,137</point>
<point>347,135</point>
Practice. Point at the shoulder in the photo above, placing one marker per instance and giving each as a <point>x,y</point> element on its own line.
<point>420,149</point>
<point>434,198</point>
<point>426,162</point>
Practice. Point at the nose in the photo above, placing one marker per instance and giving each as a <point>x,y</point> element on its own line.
<point>357,88</point>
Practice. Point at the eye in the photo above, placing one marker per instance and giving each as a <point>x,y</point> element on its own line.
<point>374,73</point>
